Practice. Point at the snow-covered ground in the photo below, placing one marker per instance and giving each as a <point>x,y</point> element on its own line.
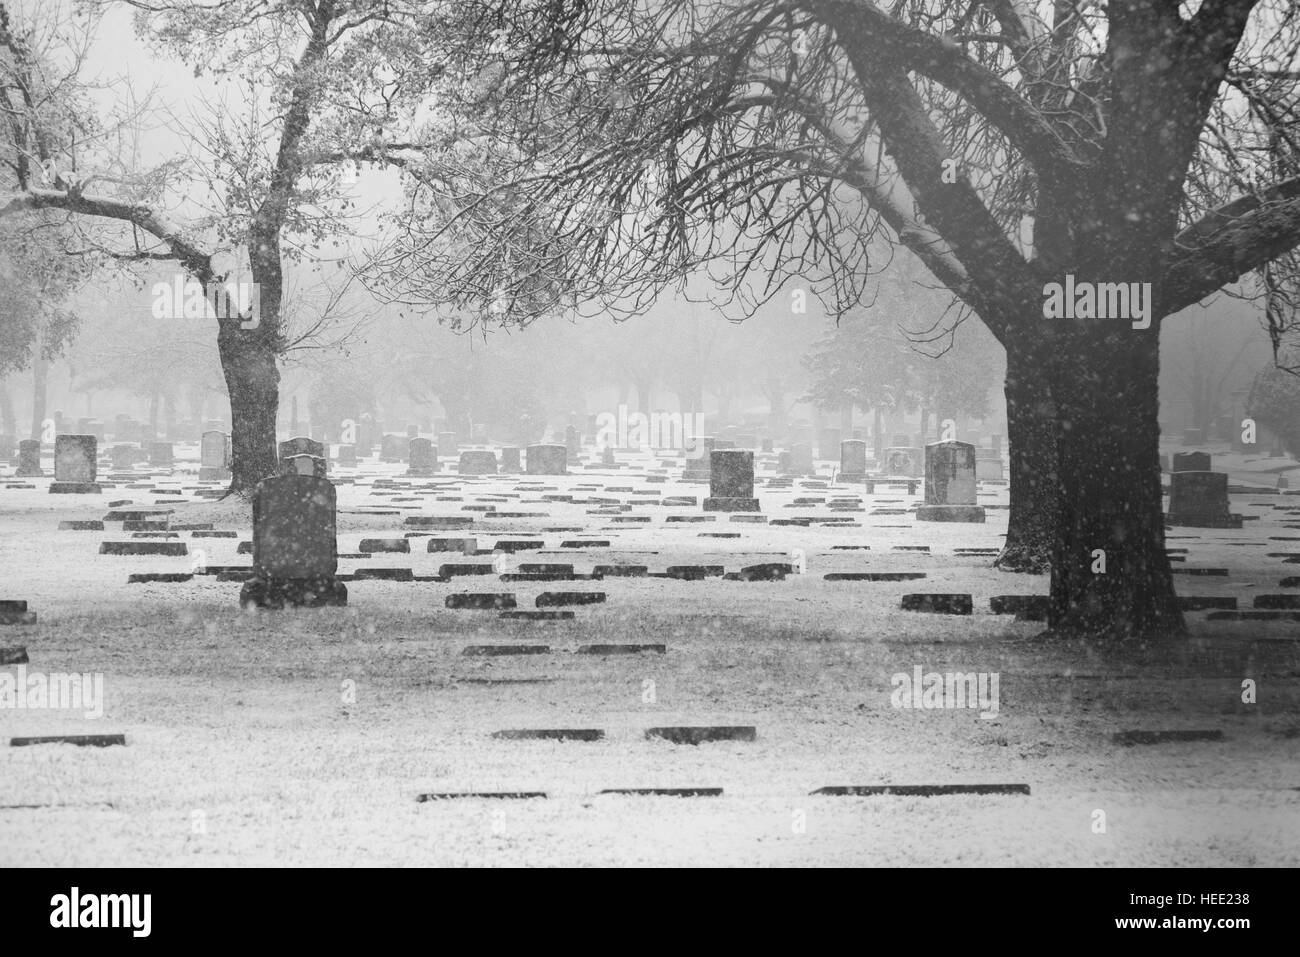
<point>305,737</point>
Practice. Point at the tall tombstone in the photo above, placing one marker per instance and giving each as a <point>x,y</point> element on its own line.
<point>509,460</point>
<point>295,553</point>
<point>161,455</point>
<point>74,464</point>
<point>1191,462</point>
<point>477,462</point>
<point>607,459</point>
<point>423,457</point>
<point>214,462</point>
<point>392,448</point>
<point>572,443</point>
<point>853,460</point>
<point>904,462</point>
<point>347,456</point>
<point>546,460</point>
<point>448,443</point>
<point>731,481</point>
<point>950,484</point>
<point>301,445</point>
<point>593,426</point>
<point>29,459</point>
<point>828,443</point>
<point>1200,500</point>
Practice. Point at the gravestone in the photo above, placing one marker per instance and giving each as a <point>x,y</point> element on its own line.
<point>1191,462</point>
<point>477,462</point>
<point>902,440</point>
<point>347,457</point>
<point>214,458</point>
<point>509,460</point>
<point>572,443</point>
<point>1193,437</point>
<point>971,437</point>
<point>392,448</point>
<point>731,482</point>
<point>29,459</point>
<point>423,457</point>
<point>903,462</point>
<point>698,465</point>
<point>304,464</point>
<point>122,457</point>
<point>294,544</point>
<point>299,445</point>
<point>546,460</point>
<point>1200,500</point>
<point>607,457</point>
<point>988,466</point>
<point>950,484</point>
<point>366,435</point>
<point>853,460</point>
<point>8,447</point>
<point>768,445</point>
<point>448,444</point>
<point>74,464</point>
<point>412,431</point>
<point>801,458</point>
<point>829,443</point>
<point>161,455</point>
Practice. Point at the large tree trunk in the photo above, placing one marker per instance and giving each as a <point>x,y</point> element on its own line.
<point>1106,398</point>
<point>1031,444</point>
<point>8,421</point>
<point>248,360</point>
<point>40,377</point>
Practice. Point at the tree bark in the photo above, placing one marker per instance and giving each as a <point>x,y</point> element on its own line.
<point>1110,507</point>
<point>1031,444</point>
<point>8,421</point>
<point>40,377</point>
<point>248,361</point>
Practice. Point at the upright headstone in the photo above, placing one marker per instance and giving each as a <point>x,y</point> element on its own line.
<point>903,462</point>
<point>731,482</point>
<point>1200,500</point>
<point>122,457</point>
<point>546,460</point>
<point>8,447</point>
<point>214,461</point>
<point>950,484</point>
<point>297,446</point>
<point>572,443</point>
<point>509,460</point>
<point>853,460</point>
<point>161,455</point>
<point>1191,462</point>
<point>448,444</point>
<point>1193,437</point>
<point>294,544</point>
<point>392,448</point>
<point>29,459</point>
<point>74,464</point>
<point>477,462</point>
<point>423,457</point>
<point>607,457</point>
<point>988,465</point>
<point>347,457</point>
<point>412,430</point>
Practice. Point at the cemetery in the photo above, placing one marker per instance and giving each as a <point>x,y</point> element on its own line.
<point>653,435</point>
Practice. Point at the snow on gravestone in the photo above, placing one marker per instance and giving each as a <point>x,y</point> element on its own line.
<point>74,464</point>
<point>294,544</point>
<point>950,484</point>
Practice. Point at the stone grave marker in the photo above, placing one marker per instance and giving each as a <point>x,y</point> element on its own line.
<point>731,482</point>
<point>509,460</point>
<point>546,460</point>
<point>1190,462</point>
<point>392,448</point>
<point>903,461</point>
<point>74,464</point>
<point>478,462</point>
<point>295,554</point>
<point>448,444</point>
<point>1200,500</point>
<point>347,457</point>
<point>423,457</point>
<point>853,460</point>
<point>214,457</point>
<point>950,484</point>
<point>29,459</point>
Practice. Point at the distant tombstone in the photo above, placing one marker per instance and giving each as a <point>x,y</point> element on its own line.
<point>1193,437</point>
<point>122,457</point>
<point>988,466</point>
<point>768,445</point>
<point>546,460</point>
<point>412,431</point>
<point>214,462</point>
<point>304,464</point>
<point>784,463</point>
<point>29,459</point>
<point>1200,500</point>
<point>828,443</point>
<point>746,440</point>
<point>1191,462</point>
<point>96,428</point>
<point>294,544</point>
<point>607,457</point>
<point>950,484</point>
<point>572,443</point>
<point>477,462</point>
<point>365,435</point>
<point>422,457</point>
<point>995,440</point>
<point>297,446</point>
<point>448,444</point>
<point>698,466</point>
<point>801,458</point>
<point>731,482</point>
<point>903,462</point>
<point>509,460</point>
<point>347,457</point>
<point>853,460</point>
<point>593,426</point>
<point>74,464</point>
<point>392,448</point>
<point>7,447</point>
